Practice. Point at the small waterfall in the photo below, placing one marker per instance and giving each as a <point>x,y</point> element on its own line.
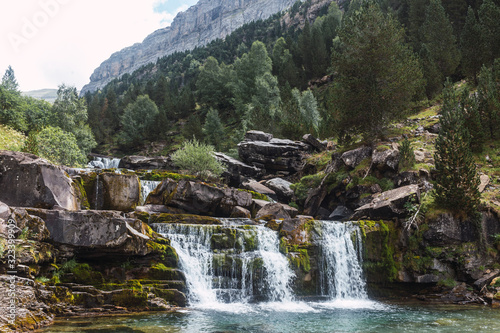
<point>229,264</point>
<point>104,163</point>
<point>147,186</point>
<point>340,263</point>
<point>98,204</point>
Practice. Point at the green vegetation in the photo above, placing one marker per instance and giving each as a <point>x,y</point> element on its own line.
<point>198,159</point>
<point>59,147</point>
<point>11,139</point>
<point>406,156</point>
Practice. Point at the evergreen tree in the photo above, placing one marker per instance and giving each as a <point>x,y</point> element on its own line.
<point>438,39</point>
<point>489,19</point>
<point>489,99</point>
<point>9,80</point>
<point>470,43</point>
<point>137,120</point>
<point>377,74</point>
<point>213,129</point>
<point>406,155</point>
<point>193,129</point>
<point>416,17</point>
<point>469,108</point>
<point>457,180</point>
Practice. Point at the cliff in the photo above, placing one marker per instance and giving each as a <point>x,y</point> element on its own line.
<point>199,25</point>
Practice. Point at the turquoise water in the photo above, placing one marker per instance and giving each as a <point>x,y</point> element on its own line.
<point>339,316</point>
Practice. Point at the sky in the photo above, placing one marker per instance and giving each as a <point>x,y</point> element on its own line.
<point>50,42</point>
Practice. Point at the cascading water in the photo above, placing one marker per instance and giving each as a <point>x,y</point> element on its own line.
<point>227,264</point>
<point>104,163</point>
<point>339,263</point>
<point>147,186</point>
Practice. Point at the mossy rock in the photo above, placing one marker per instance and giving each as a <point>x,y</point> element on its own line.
<point>129,298</point>
<point>161,272</point>
<point>172,296</point>
<point>177,218</point>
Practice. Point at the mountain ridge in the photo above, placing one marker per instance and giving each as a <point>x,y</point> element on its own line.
<point>202,23</point>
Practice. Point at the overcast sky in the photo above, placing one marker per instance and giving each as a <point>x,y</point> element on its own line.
<point>49,42</point>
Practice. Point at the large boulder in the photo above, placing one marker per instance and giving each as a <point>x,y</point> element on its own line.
<point>273,211</point>
<point>389,204</point>
<point>311,140</point>
<point>387,160</point>
<point>274,155</point>
<point>29,181</point>
<point>282,189</point>
<point>120,192</point>
<point>199,198</point>
<point>353,158</point>
<point>259,188</point>
<point>96,233</point>
<point>236,170</point>
<point>135,162</point>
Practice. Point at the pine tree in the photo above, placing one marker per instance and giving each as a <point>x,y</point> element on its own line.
<point>9,80</point>
<point>213,129</point>
<point>457,180</point>
<point>489,99</point>
<point>489,19</point>
<point>406,155</point>
<point>377,74</point>
<point>470,43</point>
<point>437,37</point>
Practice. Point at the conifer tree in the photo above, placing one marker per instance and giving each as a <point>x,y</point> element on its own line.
<point>470,43</point>
<point>406,155</point>
<point>213,129</point>
<point>377,74</point>
<point>440,43</point>
<point>489,19</point>
<point>489,99</point>
<point>457,180</point>
<point>9,80</point>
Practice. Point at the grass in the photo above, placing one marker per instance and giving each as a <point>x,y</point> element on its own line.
<point>11,139</point>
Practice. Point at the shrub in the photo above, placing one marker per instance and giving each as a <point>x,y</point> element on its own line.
<point>198,159</point>
<point>60,147</point>
<point>406,156</point>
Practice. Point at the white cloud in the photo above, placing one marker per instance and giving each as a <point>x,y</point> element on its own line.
<point>49,42</point>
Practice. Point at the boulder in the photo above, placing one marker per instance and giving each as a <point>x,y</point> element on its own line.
<point>387,160</point>
<point>318,145</point>
<point>240,212</point>
<point>294,230</point>
<point>95,233</point>
<point>259,188</point>
<point>236,170</point>
<point>448,230</point>
<point>274,155</point>
<point>29,181</point>
<point>406,178</point>
<point>135,162</point>
<point>485,181</point>
<point>273,211</point>
<point>258,136</point>
<point>120,192</point>
<point>389,204</point>
<point>340,213</point>
<point>282,189</point>
<point>353,158</point>
<point>199,198</point>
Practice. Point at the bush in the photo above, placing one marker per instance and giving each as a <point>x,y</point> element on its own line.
<point>59,147</point>
<point>198,159</point>
<point>407,156</point>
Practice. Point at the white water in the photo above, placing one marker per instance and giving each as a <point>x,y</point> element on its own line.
<point>147,186</point>
<point>104,163</point>
<point>342,276</point>
<point>264,272</point>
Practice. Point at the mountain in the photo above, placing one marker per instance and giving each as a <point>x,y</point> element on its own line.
<point>197,26</point>
<point>48,95</point>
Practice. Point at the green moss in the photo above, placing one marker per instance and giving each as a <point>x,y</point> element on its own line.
<point>448,283</point>
<point>177,218</point>
<point>159,175</point>
<point>130,298</point>
<point>167,252</point>
<point>307,182</point>
<point>300,258</point>
<point>255,195</point>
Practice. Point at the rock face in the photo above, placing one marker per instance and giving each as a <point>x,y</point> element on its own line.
<point>146,163</point>
<point>120,192</point>
<point>237,171</point>
<point>197,26</point>
<point>29,181</point>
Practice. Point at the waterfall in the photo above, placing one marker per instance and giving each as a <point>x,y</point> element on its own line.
<point>104,163</point>
<point>147,186</point>
<point>340,263</point>
<point>230,264</point>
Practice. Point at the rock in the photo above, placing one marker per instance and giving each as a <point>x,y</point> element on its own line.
<point>199,198</point>
<point>135,162</point>
<point>340,213</point>
<point>150,209</point>
<point>354,157</point>
<point>419,156</point>
<point>486,279</point>
<point>434,129</point>
<point>120,192</point>
<point>388,204</point>
<point>240,212</point>
<point>259,188</point>
<point>258,204</point>
<point>29,181</point>
<point>294,230</point>
<point>335,164</point>
<point>447,230</point>
<point>95,232</point>
<point>485,181</point>
<point>282,189</point>
<point>427,278</point>
<point>237,170</point>
<point>387,160</point>
<point>273,211</point>
<point>258,136</point>
<point>275,155</point>
<point>309,139</point>
<point>406,178</point>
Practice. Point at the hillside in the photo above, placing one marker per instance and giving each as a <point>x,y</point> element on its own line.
<point>48,95</point>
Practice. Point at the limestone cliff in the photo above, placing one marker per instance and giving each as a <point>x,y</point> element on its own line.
<point>197,26</point>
